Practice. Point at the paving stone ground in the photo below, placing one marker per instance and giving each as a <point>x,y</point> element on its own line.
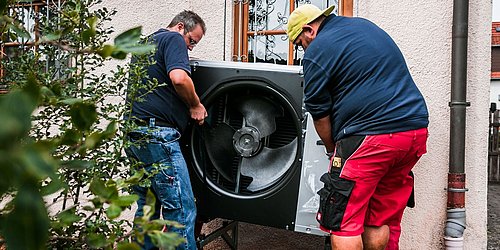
<point>255,237</point>
<point>494,217</point>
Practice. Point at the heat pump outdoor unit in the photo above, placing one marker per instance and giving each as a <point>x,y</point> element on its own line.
<point>257,158</point>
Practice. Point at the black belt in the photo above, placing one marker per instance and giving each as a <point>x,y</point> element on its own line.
<point>157,123</point>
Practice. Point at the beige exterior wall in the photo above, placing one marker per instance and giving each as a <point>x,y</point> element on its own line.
<point>423,32</point>
<point>155,14</point>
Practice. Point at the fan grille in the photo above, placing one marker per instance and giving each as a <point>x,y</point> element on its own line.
<point>221,110</point>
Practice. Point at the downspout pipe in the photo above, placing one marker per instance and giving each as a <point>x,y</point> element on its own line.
<point>455,222</point>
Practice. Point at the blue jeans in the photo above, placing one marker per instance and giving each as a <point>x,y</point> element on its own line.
<point>171,185</point>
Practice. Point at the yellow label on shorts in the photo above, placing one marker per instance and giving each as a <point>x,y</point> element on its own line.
<point>337,162</point>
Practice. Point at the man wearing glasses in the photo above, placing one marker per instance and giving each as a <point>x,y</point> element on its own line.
<point>162,116</point>
<point>372,119</point>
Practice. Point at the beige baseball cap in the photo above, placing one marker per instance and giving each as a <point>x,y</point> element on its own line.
<point>303,15</point>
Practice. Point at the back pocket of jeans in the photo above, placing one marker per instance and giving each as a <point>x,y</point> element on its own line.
<point>333,200</point>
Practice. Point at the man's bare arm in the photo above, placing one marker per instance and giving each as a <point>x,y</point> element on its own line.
<point>324,129</point>
<point>184,86</point>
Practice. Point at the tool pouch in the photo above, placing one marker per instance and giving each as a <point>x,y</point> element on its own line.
<point>336,190</point>
<point>333,200</point>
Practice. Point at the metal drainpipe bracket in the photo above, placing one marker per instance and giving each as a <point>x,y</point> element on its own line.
<point>467,104</point>
<point>457,190</point>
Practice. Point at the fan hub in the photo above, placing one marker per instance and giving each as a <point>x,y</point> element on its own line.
<point>246,141</point>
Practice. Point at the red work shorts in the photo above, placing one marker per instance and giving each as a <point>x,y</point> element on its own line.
<point>369,183</point>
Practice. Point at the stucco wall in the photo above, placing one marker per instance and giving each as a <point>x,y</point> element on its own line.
<point>155,14</point>
<point>423,32</point>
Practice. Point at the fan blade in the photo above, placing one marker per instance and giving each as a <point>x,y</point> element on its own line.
<point>219,145</point>
<point>269,165</point>
<point>260,114</point>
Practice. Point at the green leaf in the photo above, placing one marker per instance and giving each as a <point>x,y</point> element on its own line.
<point>12,36</point>
<point>97,202</point>
<point>160,223</point>
<point>136,178</point>
<point>37,162</point>
<point>11,128</point>
<point>71,137</point>
<point>98,187</point>
<point>52,187</point>
<point>131,36</point>
<point>72,101</point>
<point>83,115</point>
<point>19,30</point>
<point>3,6</point>
<point>52,36</point>
<point>92,21</point>
<point>56,88</point>
<point>97,138</point>
<point>125,200</point>
<point>68,29</point>
<point>46,92</point>
<point>89,33</point>
<point>77,164</point>
<point>111,130</point>
<point>32,87</point>
<point>16,122</point>
<point>118,54</point>
<point>47,145</point>
<point>28,223</point>
<point>88,208</point>
<point>68,217</point>
<point>92,141</point>
<point>113,211</point>
<point>139,236</point>
<point>96,240</point>
<point>106,51</point>
<point>128,246</point>
<point>150,198</point>
<point>138,49</point>
<point>150,203</point>
<point>166,240</point>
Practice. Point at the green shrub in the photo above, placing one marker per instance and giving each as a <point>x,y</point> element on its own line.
<point>64,179</point>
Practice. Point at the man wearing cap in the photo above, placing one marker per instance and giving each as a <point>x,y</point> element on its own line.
<point>372,119</point>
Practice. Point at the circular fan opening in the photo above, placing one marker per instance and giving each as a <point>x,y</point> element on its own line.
<point>250,143</point>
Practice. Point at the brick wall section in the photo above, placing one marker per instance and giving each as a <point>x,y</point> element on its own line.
<point>495,35</point>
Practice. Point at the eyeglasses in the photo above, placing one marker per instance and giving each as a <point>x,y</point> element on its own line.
<point>192,42</point>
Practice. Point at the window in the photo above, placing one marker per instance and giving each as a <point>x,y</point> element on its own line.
<point>495,50</point>
<point>29,14</point>
<point>259,29</point>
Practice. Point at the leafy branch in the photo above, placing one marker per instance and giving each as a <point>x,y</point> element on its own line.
<point>65,181</point>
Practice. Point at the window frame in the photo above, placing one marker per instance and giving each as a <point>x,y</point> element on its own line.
<point>240,23</point>
<point>495,51</point>
<point>38,6</point>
